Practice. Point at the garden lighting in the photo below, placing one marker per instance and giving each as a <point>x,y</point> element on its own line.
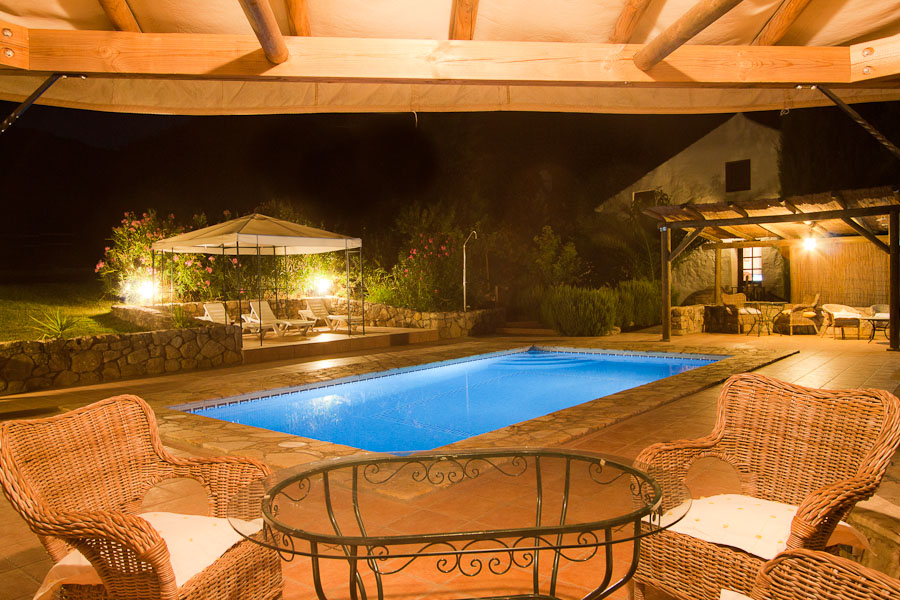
<point>809,243</point>
<point>323,285</point>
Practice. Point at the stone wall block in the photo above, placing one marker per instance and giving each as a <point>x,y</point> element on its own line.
<point>190,349</point>
<point>140,355</point>
<point>212,348</point>
<point>65,378</point>
<point>17,368</point>
<point>59,361</point>
<point>110,372</point>
<point>156,365</point>
<point>172,365</point>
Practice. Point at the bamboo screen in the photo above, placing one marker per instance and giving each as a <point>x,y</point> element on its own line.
<point>849,271</point>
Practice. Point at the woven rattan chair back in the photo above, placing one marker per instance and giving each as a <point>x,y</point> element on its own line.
<point>100,457</point>
<point>802,574</point>
<point>790,440</point>
<point>79,478</point>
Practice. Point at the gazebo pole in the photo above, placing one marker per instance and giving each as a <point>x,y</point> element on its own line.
<point>362,290</point>
<point>347,265</point>
<point>153,274</point>
<point>237,254</point>
<point>258,289</point>
<point>665,267</point>
<point>894,239</point>
<point>172,279</point>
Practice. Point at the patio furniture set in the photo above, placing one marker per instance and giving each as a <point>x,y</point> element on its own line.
<point>804,454</point>
<point>738,314</point>
<point>261,318</point>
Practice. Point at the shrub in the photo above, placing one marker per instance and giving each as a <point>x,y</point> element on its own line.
<point>180,319</point>
<point>576,311</point>
<point>639,303</point>
<point>54,326</point>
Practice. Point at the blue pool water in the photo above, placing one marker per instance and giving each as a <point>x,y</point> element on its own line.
<point>430,406</point>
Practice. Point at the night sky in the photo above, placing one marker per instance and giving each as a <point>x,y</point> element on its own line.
<point>68,175</point>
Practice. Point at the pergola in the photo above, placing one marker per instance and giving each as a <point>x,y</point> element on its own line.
<point>780,222</point>
<point>295,56</point>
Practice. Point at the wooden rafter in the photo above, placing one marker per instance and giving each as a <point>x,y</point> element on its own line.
<point>628,20</point>
<point>120,14</point>
<point>367,60</point>
<point>262,20</point>
<point>298,17</point>
<point>875,59</point>
<point>463,15</point>
<point>699,17</point>
<point>780,22</point>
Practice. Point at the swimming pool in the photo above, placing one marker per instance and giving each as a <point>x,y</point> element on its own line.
<point>432,405</point>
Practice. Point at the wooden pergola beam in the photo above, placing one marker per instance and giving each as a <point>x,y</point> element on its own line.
<point>875,59</point>
<point>262,20</point>
<point>628,20</point>
<point>367,60</point>
<point>781,21</point>
<point>863,231</point>
<point>298,17</point>
<point>120,14</point>
<point>699,17</point>
<point>463,15</point>
<point>824,215</point>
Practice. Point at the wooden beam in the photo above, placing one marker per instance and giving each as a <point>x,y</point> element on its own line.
<point>875,59</point>
<point>797,218</point>
<point>120,14</point>
<point>665,280</point>
<point>894,290</point>
<point>699,17</point>
<point>780,22</point>
<point>628,19</point>
<point>685,243</point>
<point>789,243</point>
<point>368,60</point>
<point>298,17</point>
<point>262,20</point>
<point>14,46</point>
<point>463,15</point>
<point>867,234</point>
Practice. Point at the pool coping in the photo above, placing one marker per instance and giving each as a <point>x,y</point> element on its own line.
<point>281,450</point>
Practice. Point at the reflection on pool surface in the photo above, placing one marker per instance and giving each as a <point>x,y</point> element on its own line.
<point>433,405</point>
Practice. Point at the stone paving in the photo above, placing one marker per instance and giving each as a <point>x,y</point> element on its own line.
<point>680,407</point>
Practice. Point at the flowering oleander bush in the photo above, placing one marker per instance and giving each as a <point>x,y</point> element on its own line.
<point>427,278</point>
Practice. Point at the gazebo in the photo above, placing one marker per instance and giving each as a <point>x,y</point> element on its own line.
<point>260,235</point>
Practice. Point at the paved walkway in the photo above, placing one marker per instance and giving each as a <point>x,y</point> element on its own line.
<point>684,409</point>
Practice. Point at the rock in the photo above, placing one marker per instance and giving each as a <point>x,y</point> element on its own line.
<point>111,355</point>
<point>59,361</point>
<point>40,370</point>
<point>66,378</point>
<point>177,341</point>
<point>110,372</point>
<point>212,348</point>
<point>82,362</point>
<point>155,366</point>
<point>190,349</point>
<point>14,387</point>
<point>172,364</point>
<point>89,378</point>
<point>138,356</point>
<point>17,368</point>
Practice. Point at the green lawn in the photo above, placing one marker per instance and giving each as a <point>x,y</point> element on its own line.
<point>19,302</point>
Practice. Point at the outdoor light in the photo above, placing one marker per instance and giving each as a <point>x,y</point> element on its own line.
<point>323,285</point>
<point>145,290</point>
<point>809,243</point>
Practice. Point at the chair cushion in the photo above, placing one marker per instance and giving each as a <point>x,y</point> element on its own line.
<point>760,527</point>
<point>730,595</point>
<point>194,543</point>
<point>846,315</point>
<point>748,310</point>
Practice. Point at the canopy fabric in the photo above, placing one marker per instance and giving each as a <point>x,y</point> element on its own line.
<point>257,234</point>
<point>346,76</point>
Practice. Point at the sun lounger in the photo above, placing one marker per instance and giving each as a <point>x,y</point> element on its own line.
<point>261,317</point>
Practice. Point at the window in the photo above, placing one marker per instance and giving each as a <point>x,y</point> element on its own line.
<point>644,198</point>
<point>751,265</point>
<point>737,175</point>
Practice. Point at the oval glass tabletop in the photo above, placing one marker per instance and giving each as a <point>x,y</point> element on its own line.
<point>437,502</point>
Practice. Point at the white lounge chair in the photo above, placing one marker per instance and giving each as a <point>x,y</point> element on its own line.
<point>215,312</point>
<point>262,317</point>
<point>316,307</point>
<point>839,315</point>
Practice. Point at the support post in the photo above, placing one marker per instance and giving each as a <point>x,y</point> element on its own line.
<point>665,268</point>
<point>347,264</point>
<point>26,104</point>
<point>894,239</point>
<point>717,281</point>
<point>362,290</point>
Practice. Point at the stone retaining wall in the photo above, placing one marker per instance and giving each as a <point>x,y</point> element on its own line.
<point>687,319</point>
<point>448,324</point>
<point>26,366</point>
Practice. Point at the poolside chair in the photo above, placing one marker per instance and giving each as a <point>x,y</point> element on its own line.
<point>739,315</point>
<point>215,312</point>
<point>317,307</point>
<point>78,479</point>
<point>262,317</point>
<point>819,451</point>
<point>805,314</point>
<point>839,315</point>
<point>803,574</point>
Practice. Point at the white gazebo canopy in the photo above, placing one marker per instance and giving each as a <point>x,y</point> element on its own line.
<point>257,234</point>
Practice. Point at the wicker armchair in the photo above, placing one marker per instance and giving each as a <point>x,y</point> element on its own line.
<point>823,450</point>
<point>841,316</point>
<point>803,574</point>
<point>78,480</point>
<point>737,314</point>
<point>805,314</point>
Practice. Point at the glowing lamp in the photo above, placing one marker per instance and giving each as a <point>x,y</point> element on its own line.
<point>809,243</point>
<point>323,285</point>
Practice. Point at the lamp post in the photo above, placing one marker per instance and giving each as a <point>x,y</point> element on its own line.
<point>465,306</point>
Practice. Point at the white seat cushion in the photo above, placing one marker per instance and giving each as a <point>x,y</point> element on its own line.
<point>194,543</point>
<point>748,310</point>
<point>760,527</point>
<point>730,595</point>
<point>846,315</point>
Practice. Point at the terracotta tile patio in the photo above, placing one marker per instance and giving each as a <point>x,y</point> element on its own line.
<point>820,362</point>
